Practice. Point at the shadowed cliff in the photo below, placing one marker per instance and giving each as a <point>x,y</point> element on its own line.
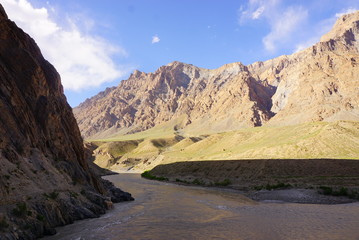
<point>45,179</point>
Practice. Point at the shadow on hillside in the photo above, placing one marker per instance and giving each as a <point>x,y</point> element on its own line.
<point>261,171</point>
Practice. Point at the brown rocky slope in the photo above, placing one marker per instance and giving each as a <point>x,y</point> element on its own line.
<point>45,180</point>
<point>319,83</point>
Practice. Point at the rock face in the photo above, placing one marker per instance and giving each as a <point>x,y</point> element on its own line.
<point>317,84</point>
<point>42,163</point>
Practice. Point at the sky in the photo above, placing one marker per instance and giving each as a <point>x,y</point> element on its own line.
<point>95,44</point>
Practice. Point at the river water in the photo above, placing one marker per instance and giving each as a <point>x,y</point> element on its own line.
<point>168,211</point>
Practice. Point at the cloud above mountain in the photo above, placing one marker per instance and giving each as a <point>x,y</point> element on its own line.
<point>283,21</point>
<point>83,60</point>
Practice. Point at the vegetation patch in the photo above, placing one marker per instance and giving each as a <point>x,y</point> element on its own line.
<point>343,191</point>
<point>269,187</point>
<point>198,182</point>
<point>20,210</point>
<point>40,217</point>
<point>53,195</point>
<point>224,183</point>
<point>148,175</point>
<point>74,195</point>
<point>182,181</point>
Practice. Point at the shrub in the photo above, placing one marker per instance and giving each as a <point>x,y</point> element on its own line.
<point>353,195</point>
<point>198,182</point>
<point>148,175</point>
<point>53,195</point>
<point>40,217</point>
<point>269,187</point>
<point>20,210</point>
<point>224,183</point>
<point>326,190</point>
<point>74,195</point>
<point>182,181</point>
<point>342,191</point>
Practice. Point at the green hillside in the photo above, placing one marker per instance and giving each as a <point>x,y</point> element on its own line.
<point>144,150</point>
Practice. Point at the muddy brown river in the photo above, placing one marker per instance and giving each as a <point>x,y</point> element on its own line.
<point>168,211</point>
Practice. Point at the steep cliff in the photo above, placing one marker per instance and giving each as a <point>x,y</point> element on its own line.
<point>319,83</point>
<point>45,180</point>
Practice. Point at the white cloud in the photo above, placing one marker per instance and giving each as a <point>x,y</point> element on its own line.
<point>256,9</point>
<point>258,12</point>
<point>82,60</point>
<point>283,27</point>
<point>155,39</point>
<point>346,11</point>
<point>283,22</point>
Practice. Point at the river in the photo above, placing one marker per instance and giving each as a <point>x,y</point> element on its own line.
<point>168,211</point>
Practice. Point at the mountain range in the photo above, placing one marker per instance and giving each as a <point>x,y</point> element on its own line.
<point>320,83</point>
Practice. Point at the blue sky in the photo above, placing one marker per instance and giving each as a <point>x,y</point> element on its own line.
<point>96,44</point>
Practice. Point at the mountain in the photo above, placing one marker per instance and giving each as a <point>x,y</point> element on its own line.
<point>319,83</point>
<point>45,179</point>
<point>189,94</point>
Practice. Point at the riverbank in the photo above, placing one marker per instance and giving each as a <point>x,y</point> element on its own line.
<point>315,181</point>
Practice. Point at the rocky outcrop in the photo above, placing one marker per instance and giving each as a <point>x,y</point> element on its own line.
<point>45,180</point>
<point>319,83</point>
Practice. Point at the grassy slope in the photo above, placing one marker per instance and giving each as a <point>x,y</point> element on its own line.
<point>164,130</point>
<point>339,140</point>
<point>310,140</point>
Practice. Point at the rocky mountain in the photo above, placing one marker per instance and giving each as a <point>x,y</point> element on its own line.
<point>319,83</point>
<point>224,98</point>
<point>45,179</point>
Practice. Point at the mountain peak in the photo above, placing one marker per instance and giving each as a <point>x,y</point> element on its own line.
<point>136,74</point>
<point>348,23</point>
<point>176,63</point>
